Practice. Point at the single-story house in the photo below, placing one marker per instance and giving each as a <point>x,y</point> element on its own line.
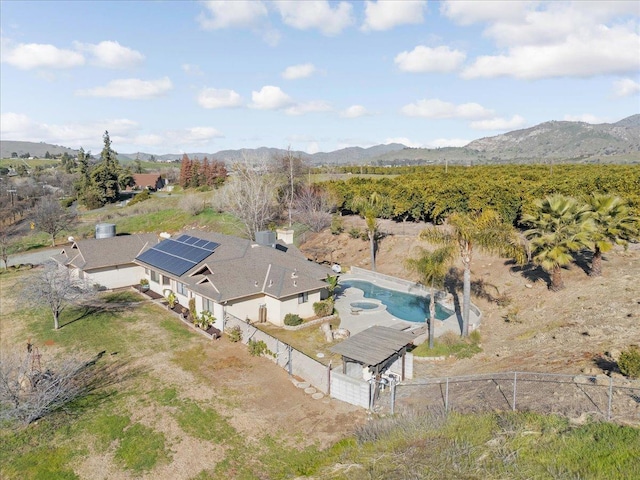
<point>261,281</point>
<point>150,181</point>
<point>107,261</point>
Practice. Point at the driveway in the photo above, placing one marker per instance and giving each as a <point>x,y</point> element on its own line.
<point>35,258</point>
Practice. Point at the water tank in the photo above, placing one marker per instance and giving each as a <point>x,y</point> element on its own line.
<point>105,230</point>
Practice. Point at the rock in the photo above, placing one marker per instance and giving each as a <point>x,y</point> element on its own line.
<point>528,285</point>
<point>341,333</point>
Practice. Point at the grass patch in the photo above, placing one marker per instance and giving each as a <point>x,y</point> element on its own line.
<point>121,297</point>
<point>206,424</point>
<point>141,448</point>
<point>451,344</point>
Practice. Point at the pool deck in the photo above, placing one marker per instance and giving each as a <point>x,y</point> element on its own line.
<point>356,320</point>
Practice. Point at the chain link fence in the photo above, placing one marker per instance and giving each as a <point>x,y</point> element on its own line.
<point>570,395</point>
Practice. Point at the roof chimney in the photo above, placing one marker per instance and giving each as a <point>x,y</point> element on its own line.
<point>286,235</point>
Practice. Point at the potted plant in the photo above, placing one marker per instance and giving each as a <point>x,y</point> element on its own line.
<point>144,284</point>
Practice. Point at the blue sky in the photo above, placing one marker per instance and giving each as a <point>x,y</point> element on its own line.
<point>172,77</point>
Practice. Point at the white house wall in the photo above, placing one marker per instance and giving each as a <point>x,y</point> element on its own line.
<point>115,277</point>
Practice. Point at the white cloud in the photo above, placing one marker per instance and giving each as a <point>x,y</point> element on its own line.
<point>219,98</point>
<point>427,59</point>
<point>586,118</point>
<point>271,36</point>
<point>498,123</point>
<point>317,14</point>
<point>130,89</point>
<point>191,69</point>
<point>296,72</point>
<point>87,134</point>
<point>309,107</point>
<point>404,141</point>
<point>354,111</point>
<point>552,39</point>
<point>466,12</point>
<point>200,134</point>
<point>270,98</point>
<point>27,56</point>
<point>602,51</point>
<point>312,148</point>
<point>625,87</point>
<point>387,14</point>
<point>448,142</point>
<point>231,13</point>
<point>109,54</point>
<point>436,108</point>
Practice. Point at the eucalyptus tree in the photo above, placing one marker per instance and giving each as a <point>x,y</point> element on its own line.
<point>432,267</point>
<point>612,224</point>
<point>484,230</point>
<point>559,228</point>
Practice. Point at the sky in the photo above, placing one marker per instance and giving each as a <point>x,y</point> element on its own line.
<point>180,76</point>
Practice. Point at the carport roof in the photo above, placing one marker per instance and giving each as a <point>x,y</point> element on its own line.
<point>373,345</point>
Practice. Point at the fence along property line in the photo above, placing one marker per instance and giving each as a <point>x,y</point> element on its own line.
<point>294,361</point>
<point>525,391</point>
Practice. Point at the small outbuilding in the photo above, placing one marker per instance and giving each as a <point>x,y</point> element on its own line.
<point>376,348</point>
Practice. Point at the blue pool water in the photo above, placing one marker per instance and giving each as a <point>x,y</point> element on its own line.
<point>405,306</point>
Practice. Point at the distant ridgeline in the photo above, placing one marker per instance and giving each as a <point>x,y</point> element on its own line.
<point>560,142</point>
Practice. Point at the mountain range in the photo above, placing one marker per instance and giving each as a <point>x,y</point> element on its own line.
<point>559,141</point>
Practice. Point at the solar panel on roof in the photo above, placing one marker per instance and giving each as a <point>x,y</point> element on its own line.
<point>177,256</point>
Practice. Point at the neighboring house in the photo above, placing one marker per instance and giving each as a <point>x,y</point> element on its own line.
<point>107,261</point>
<point>150,181</point>
<point>263,280</point>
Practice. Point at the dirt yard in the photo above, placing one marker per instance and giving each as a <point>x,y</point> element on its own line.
<point>564,332</point>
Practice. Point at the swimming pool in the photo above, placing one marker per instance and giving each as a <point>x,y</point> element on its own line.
<point>405,306</point>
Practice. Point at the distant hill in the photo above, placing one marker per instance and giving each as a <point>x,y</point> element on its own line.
<point>549,141</point>
<point>37,150</point>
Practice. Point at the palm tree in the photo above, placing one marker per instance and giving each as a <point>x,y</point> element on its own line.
<point>558,229</point>
<point>369,208</point>
<point>612,224</point>
<point>332,284</point>
<point>466,230</point>
<point>432,268</point>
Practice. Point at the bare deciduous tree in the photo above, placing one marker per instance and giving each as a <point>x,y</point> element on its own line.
<point>30,390</point>
<point>313,207</point>
<point>51,217</point>
<point>250,195</point>
<point>7,240</point>
<point>56,288</point>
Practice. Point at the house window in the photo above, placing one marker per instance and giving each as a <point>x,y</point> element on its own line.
<point>155,277</point>
<point>166,280</point>
<point>207,305</point>
<point>303,297</point>
<point>181,288</point>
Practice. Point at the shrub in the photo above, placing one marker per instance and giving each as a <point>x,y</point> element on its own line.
<point>205,320</point>
<point>629,362</point>
<point>192,204</point>
<point>292,319</point>
<point>323,308</point>
<point>235,334</point>
<point>140,197</point>
<point>258,348</point>
<point>354,232</point>
<point>337,226</point>
<point>67,202</point>
<point>192,309</point>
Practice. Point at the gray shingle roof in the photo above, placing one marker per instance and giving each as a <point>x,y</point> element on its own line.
<point>240,268</point>
<point>95,253</point>
<point>373,345</point>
